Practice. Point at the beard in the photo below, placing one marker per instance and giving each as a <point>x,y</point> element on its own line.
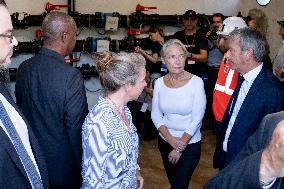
<point>5,63</point>
<point>234,65</point>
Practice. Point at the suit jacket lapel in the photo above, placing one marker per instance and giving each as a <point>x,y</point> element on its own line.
<point>250,97</point>
<point>12,152</point>
<point>4,137</point>
<point>34,145</point>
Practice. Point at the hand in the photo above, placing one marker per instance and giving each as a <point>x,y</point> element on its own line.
<point>140,180</point>
<point>177,144</point>
<point>271,165</point>
<point>174,156</point>
<point>180,144</point>
<point>138,49</point>
<point>279,72</point>
<point>207,34</point>
<point>173,141</point>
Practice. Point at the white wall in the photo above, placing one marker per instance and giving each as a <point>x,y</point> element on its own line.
<point>274,11</point>
<point>125,7</point>
<point>128,6</point>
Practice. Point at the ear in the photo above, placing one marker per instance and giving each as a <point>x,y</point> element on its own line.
<point>163,59</point>
<point>249,53</point>
<point>127,87</point>
<point>64,37</point>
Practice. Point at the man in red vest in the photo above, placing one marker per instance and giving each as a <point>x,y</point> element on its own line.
<point>227,78</point>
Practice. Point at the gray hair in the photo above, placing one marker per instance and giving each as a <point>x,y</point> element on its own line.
<point>54,25</point>
<point>3,3</point>
<point>252,39</point>
<point>169,43</point>
<point>261,20</point>
<point>118,69</point>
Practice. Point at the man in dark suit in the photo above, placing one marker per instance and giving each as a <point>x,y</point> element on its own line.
<point>257,94</point>
<point>22,165</point>
<point>260,163</point>
<point>52,96</point>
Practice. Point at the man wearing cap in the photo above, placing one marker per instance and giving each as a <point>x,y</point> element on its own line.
<point>195,43</point>
<point>227,78</point>
<point>215,56</point>
<point>278,63</point>
<point>258,93</point>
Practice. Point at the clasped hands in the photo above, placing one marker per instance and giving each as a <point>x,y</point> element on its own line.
<point>178,146</point>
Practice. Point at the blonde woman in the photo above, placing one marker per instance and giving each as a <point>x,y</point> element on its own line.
<point>110,141</point>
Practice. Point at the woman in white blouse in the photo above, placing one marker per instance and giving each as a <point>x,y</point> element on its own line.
<point>177,110</point>
<point>110,141</point>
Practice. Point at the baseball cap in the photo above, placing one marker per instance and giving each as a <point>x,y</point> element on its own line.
<point>280,23</point>
<point>189,14</point>
<point>230,24</point>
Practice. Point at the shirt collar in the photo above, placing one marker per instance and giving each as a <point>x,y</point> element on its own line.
<point>251,75</point>
<point>52,53</point>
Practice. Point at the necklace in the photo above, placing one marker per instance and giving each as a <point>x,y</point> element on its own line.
<point>121,114</point>
<point>179,77</point>
<point>179,81</point>
<point>189,46</point>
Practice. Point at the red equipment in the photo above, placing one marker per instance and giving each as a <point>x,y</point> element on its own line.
<point>142,8</point>
<point>49,7</point>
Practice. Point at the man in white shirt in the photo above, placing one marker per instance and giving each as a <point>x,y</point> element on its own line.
<point>278,63</point>
<point>21,162</point>
<point>259,93</point>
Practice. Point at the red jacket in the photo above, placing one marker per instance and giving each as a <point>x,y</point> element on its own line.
<point>225,85</point>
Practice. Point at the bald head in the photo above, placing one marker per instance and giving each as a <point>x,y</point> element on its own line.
<point>59,32</point>
<point>55,24</point>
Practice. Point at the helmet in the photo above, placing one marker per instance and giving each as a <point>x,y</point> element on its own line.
<point>230,24</point>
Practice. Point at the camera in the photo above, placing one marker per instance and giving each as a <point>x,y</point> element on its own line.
<point>129,43</point>
<point>213,36</point>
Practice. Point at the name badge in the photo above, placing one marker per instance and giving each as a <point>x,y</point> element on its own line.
<point>144,107</point>
<point>226,70</point>
<point>190,62</point>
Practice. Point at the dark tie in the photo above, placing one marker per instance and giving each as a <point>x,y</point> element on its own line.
<point>236,94</point>
<point>30,168</point>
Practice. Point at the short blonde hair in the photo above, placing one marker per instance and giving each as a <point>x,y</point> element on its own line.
<point>118,69</point>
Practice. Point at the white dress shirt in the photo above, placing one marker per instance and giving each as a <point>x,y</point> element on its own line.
<point>248,81</point>
<point>20,127</point>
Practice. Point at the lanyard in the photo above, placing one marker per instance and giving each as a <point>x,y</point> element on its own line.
<point>188,46</point>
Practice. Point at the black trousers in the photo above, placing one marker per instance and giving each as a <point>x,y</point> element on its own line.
<point>179,174</point>
<point>209,88</point>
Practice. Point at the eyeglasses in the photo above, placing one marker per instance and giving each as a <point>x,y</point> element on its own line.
<point>173,58</point>
<point>11,36</point>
